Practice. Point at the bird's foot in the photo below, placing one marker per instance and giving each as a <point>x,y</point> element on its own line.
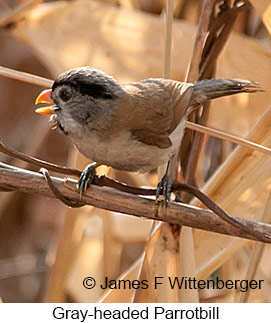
<point>164,189</point>
<point>86,178</point>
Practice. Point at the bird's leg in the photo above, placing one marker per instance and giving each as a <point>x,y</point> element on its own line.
<point>86,177</point>
<point>164,186</point>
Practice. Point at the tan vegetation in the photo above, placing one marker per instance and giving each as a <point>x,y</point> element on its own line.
<point>132,41</point>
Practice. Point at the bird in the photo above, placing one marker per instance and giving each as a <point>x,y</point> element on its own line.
<point>134,127</point>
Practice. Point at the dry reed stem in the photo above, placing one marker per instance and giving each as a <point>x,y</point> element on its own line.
<point>87,258</point>
<point>231,138</point>
<point>257,252</point>
<point>187,265</point>
<point>162,260</point>
<point>188,154</point>
<point>69,244</point>
<point>239,185</point>
<point>65,253</point>
<point>143,296</point>
<point>142,261</point>
<point>113,243</point>
<point>127,296</point>
<point>244,255</point>
<point>66,249</point>
<point>193,70</point>
<point>168,38</point>
<point>25,77</point>
<point>161,239</point>
<point>207,67</point>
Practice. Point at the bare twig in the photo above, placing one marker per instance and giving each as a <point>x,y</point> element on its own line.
<point>25,77</point>
<point>38,162</point>
<point>225,136</point>
<point>12,178</point>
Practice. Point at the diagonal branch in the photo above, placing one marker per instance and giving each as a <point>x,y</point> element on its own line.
<point>104,181</point>
<point>12,178</point>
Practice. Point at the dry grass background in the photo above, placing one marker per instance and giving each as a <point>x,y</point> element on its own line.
<point>46,249</point>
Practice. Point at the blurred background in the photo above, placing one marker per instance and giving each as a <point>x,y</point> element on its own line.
<point>45,248</point>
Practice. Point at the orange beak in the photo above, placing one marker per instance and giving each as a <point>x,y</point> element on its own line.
<point>45,97</point>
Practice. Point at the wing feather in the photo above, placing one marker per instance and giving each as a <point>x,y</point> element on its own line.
<point>158,105</point>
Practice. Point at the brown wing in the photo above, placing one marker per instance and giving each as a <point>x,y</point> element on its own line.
<point>155,109</point>
<point>181,94</point>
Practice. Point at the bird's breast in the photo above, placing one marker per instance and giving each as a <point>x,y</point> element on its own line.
<point>123,152</point>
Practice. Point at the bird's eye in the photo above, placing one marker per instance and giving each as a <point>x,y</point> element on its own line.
<point>65,95</point>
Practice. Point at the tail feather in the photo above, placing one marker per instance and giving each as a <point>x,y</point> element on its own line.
<point>215,88</point>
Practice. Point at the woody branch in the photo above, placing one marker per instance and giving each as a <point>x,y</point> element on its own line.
<point>17,179</point>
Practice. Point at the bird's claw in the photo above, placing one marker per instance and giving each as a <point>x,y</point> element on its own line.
<point>86,178</point>
<point>164,188</point>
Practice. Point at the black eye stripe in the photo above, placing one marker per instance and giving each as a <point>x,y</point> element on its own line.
<point>94,90</point>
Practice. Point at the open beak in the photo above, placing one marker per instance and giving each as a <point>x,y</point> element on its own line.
<point>45,97</point>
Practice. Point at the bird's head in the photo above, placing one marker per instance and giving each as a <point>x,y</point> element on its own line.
<point>81,97</point>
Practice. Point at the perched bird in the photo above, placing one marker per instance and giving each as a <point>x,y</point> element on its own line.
<point>133,127</point>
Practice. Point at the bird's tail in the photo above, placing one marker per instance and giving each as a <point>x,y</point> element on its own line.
<point>215,88</point>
